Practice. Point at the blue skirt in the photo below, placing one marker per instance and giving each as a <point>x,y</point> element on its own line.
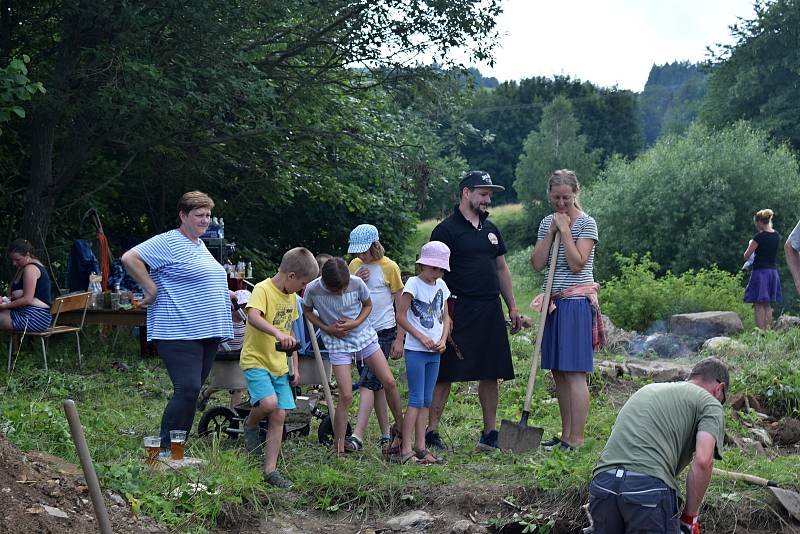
<point>30,318</point>
<point>764,286</point>
<point>567,338</point>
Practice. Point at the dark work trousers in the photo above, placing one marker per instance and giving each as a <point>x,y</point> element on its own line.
<point>188,363</point>
<point>626,502</point>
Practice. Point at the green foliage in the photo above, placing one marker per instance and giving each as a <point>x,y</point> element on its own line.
<point>256,103</point>
<point>671,99</point>
<point>689,201</point>
<point>555,145</point>
<point>756,78</point>
<point>637,297</point>
<point>16,88</point>
<point>504,116</point>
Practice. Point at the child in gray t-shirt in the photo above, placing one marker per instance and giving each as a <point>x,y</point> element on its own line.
<point>343,304</point>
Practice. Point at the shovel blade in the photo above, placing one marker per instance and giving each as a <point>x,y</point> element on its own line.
<point>790,501</point>
<point>517,437</point>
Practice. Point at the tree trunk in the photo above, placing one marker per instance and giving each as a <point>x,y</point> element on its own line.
<point>39,197</point>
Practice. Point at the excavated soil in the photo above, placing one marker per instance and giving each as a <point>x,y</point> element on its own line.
<point>29,482</point>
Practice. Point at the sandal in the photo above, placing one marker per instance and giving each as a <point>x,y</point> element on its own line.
<point>353,444</point>
<point>408,458</point>
<point>394,450</point>
<point>426,457</point>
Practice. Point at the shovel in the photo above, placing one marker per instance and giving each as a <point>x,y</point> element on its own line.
<point>790,500</point>
<point>519,437</point>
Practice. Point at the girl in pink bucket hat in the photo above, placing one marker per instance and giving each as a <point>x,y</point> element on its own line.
<point>422,312</point>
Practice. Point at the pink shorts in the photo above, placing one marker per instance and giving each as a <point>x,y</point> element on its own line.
<point>346,358</point>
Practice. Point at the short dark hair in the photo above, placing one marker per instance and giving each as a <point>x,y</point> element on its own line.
<point>711,370</point>
<point>335,274</point>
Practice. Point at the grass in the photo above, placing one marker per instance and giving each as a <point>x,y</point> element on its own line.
<point>118,408</point>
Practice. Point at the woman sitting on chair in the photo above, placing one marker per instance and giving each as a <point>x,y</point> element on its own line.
<point>27,306</point>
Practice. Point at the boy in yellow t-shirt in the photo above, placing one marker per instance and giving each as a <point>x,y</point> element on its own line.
<point>270,312</point>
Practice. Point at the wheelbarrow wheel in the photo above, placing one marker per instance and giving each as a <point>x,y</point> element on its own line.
<point>219,420</point>
<point>325,431</point>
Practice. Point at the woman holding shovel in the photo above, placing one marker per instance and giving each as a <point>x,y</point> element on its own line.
<point>568,337</point>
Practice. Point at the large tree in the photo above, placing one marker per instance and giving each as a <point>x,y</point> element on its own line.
<point>266,101</point>
<point>557,144</point>
<point>757,78</point>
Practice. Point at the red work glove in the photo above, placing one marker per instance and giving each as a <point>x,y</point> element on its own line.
<point>690,524</point>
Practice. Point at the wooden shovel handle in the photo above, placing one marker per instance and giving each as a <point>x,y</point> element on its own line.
<point>752,479</point>
<point>537,349</point>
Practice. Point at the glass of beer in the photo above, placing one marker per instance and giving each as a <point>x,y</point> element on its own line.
<point>177,438</point>
<point>152,444</point>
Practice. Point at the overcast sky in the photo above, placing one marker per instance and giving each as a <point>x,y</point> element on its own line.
<point>608,42</point>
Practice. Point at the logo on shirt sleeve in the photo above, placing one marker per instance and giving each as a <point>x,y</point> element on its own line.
<point>492,238</point>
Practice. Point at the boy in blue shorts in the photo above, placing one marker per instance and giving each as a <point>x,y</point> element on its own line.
<point>270,312</point>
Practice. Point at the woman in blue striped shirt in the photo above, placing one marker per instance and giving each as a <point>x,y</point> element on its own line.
<point>188,311</point>
<point>567,339</point>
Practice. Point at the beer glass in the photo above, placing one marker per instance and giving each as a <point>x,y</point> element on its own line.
<point>152,444</point>
<point>177,438</point>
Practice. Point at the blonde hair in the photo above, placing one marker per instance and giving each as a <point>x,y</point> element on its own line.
<point>322,258</point>
<point>300,261</point>
<point>377,251</point>
<point>763,216</point>
<point>194,200</point>
<point>568,178</point>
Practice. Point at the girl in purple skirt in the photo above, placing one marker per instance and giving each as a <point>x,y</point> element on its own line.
<point>764,286</point>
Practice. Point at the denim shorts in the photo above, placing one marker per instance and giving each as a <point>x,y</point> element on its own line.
<point>262,384</point>
<point>346,358</point>
<point>367,376</point>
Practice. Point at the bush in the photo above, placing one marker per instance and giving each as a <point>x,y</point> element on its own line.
<point>636,298</point>
<point>689,201</point>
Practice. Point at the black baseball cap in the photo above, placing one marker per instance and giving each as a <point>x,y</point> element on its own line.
<point>479,179</point>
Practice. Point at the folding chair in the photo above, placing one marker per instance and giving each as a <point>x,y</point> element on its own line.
<point>67,303</point>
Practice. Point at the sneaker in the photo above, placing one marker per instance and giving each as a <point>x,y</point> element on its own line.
<point>433,440</point>
<point>252,440</point>
<point>551,443</point>
<point>488,441</point>
<point>277,480</point>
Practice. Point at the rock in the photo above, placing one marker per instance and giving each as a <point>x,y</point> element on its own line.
<point>416,519</point>
<point>616,338</point>
<point>611,369</point>
<point>658,371</point>
<point>705,324</point>
<point>753,446</point>
<point>720,343</point>
<point>741,403</point>
<point>465,526</point>
<point>787,432</point>
<point>116,498</point>
<point>785,322</point>
<point>55,512</point>
<point>762,436</point>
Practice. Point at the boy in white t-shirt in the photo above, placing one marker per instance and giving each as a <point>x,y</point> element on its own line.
<point>422,312</point>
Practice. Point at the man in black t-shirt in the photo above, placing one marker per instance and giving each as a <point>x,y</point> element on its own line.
<point>479,348</point>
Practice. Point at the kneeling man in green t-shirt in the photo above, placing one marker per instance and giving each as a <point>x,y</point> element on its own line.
<point>657,432</point>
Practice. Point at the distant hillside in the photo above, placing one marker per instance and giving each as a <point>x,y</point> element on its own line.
<point>671,98</point>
